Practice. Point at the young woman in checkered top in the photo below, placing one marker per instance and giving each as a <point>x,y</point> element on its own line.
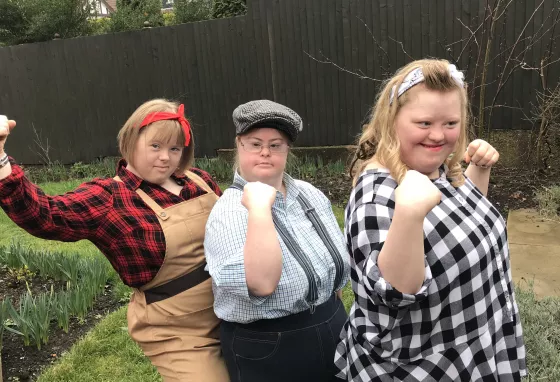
<point>430,263</point>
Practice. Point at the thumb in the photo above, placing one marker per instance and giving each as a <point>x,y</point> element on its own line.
<point>11,124</point>
<point>467,157</point>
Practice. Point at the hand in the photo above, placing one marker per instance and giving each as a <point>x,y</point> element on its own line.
<point>481,154</point>
<point>257,195</point>
<point>417,194</point>
<point>6,127</point>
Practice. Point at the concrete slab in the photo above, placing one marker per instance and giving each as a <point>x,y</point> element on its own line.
<point>534,244</point>
<point>528,227</point>
<point>539,264</point>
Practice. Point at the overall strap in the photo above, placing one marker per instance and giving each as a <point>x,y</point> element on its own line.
<point>297,252</point>
<point>313,216</point>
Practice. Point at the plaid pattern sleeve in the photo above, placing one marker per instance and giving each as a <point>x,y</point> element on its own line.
<point>464,323</point>
<point>108,213</point>
<point>76,215</point>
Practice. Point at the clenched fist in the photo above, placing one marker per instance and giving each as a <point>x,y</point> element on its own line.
<point>5,127</point>
<point>417,194</point>
<point>257,195</point>
<point>481,153</point>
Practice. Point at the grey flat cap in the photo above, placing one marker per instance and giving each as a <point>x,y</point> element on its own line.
<point>264,113</point>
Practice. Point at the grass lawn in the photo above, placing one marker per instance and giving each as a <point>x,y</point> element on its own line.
<point>108,354</point>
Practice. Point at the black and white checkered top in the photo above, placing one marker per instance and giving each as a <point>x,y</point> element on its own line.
<point>463,324</point>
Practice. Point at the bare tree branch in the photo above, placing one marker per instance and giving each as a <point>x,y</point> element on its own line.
<point>402,47</point>
<point>360,74</point>
<point>376,42</point>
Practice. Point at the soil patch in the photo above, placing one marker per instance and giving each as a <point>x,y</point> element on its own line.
<point>25,363</point>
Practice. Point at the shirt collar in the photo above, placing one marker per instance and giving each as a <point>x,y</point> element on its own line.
<point>133,181</point>
<point>292,190</point>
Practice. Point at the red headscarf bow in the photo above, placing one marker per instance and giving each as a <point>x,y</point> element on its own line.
<point>180,116</point>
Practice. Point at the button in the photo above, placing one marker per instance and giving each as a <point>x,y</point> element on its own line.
<point>163,214</point>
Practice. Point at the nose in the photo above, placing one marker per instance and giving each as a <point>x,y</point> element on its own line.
<point>164,155</point>
<point>436,133</point>
<point>265,151</point>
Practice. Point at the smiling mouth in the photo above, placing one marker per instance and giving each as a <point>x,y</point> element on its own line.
<point>433,147</point>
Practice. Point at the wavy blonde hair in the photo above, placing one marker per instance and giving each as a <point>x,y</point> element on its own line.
<point>167,131</point>
<point>379,138</point>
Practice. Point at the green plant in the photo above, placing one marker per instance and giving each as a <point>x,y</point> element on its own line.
<point>169,18</point>
<point>549,202</point>
<point>56,172</point>
<point>85,279</point>
<point>70,266</point>
<point>79,301</point>
<point>12,256</point>
<point>132,14</point>
<point>20,275</point>
<point>100,25</point>
<point>229,8</point>
<point>5,324</point>
<point>61,307</point>
<point>26,21</point>
<point>122,292</point>
<point>23,318</point>
<point>217,167</point>
<point>187,11</point>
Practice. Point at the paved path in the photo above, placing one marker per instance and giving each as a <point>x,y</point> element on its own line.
<point>534,244</point>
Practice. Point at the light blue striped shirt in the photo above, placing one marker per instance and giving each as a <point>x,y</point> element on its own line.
<point>226,232</point>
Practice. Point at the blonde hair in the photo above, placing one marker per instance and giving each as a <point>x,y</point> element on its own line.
<point>379,137</point>
<point>167,131</point>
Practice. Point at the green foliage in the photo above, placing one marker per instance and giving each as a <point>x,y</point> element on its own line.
<point>132,14</point>
<point>26,21</point>
<point>549,202</point>
<point>217,167</point>
<point>187,11</point>
<point>99,26</point>
<point>169,18</point>
<point>229,8</point>
<point>85,279</point>
<point>56,172</point>
<point>19,275</point>
<point>13,24</point>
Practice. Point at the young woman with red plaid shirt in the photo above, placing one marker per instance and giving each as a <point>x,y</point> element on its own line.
<point>149,222</point>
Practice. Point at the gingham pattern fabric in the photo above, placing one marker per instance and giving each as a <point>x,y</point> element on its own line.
<point>463,324</point>
<point>226,232</point>
<point>265,113</point>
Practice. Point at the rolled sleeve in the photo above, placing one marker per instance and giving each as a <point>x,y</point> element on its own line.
<point>12,182</point>
<point>382,292</point>
<point>371,222</point>
<point>225,237</point>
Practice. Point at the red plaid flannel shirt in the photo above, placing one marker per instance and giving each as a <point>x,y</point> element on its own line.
<point>108,213</point>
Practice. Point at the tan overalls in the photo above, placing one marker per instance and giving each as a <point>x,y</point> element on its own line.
<point>180,334</point>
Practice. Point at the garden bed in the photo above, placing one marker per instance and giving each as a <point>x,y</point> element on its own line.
<point>24,363</point>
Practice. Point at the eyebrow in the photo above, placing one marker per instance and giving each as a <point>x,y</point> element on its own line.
<point>273,139</point>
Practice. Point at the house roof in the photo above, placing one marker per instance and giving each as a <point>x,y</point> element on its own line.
<point>111,4</point>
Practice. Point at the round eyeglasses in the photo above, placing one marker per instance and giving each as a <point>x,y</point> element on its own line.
<point>257,147</point>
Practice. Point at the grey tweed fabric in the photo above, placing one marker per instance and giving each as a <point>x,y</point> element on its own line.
<point>265,113</point>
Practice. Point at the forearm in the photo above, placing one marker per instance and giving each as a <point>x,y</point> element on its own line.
<point>262,253</point>
<point>401,260</point>
<point>479,176</point>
